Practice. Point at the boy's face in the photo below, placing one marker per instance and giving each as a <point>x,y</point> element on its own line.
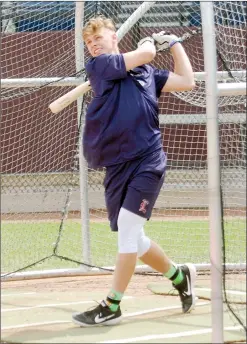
<point>103,41</point>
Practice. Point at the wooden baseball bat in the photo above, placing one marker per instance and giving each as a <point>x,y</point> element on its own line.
<point>68,98</point>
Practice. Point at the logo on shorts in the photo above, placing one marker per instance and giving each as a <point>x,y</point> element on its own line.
<point>143,206</point>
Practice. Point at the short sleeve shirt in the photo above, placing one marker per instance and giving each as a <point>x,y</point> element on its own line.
<point>122,119</point>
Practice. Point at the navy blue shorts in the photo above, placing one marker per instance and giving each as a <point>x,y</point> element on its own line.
<point>134,185</point>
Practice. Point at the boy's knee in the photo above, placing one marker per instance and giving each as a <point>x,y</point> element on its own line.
<point>144,244</point>
<point>129,230</point>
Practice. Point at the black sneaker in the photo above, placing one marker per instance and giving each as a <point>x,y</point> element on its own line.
<point>186,287</point>
<point>100,315</point>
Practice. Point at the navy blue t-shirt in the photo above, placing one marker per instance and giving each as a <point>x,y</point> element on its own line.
<point>122,119</point>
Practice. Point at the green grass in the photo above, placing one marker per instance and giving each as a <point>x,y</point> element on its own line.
<point>24,243</point>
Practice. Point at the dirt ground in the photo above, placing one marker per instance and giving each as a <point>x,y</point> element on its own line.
<point>100,215</point>
<point>97,284</point>
<point>137,286</point>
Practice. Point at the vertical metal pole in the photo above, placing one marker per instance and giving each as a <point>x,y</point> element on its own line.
<point>83,168</point>
<point>210,63</point>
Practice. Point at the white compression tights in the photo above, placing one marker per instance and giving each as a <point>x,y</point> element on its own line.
<point>131,236</point>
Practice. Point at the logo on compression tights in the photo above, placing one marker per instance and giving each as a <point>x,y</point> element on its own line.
<point>143,206</point>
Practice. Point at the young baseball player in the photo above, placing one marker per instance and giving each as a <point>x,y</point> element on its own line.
<point>122,134</point>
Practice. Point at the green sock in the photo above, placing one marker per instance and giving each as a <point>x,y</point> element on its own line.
<point>174,270</point>
<point>113,300</point>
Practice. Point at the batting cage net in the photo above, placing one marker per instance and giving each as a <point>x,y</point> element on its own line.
<point>53,216</point>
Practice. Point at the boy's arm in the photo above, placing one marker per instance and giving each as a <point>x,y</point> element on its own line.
<point>144,53</point>
<point>182,79</point>
<point>115,66</point>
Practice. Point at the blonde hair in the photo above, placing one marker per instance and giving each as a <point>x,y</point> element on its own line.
<point>95,24</point>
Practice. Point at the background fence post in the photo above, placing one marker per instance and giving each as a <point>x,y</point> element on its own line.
<point>213,159</point>
<point>83,169</point>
